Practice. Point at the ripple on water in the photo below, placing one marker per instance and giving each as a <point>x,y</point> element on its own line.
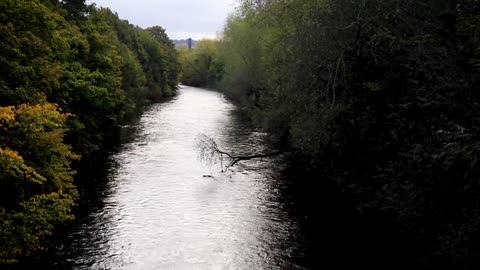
<point>158,212</point>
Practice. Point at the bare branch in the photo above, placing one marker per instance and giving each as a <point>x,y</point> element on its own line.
<point>210,153</point>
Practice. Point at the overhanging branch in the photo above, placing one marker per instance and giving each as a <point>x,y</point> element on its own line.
<point>209,152</point>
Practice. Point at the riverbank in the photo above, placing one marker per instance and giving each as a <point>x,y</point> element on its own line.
<point>335,220</point>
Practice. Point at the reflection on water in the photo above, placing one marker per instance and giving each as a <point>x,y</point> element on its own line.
<point>156,211</point>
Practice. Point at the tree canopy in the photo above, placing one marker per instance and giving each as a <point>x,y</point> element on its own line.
<point>379,97</point>
<point>201,65</point>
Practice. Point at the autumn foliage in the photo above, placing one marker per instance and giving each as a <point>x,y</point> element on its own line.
<point>70,73</point>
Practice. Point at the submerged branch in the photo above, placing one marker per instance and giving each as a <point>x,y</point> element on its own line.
<point>210,153</point>
<point>236,159</point>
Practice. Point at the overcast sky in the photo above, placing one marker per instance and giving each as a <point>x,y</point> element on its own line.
<point>181,18</point>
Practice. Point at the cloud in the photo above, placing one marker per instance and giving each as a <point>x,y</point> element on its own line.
<point>181,18</point>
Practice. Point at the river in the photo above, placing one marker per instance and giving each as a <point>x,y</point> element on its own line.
<point>152,208</point>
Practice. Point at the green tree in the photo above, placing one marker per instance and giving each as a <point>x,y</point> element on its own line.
<point>76,9</point>
<point>202,65</point>
<point>97,68</point>
<point>33,41</point>
<point>380,96</point>
<point>170,57</point>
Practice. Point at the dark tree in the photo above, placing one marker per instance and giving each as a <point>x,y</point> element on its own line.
<point>76,9</point>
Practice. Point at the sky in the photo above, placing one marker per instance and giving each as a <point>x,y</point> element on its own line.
<point>182,19</point>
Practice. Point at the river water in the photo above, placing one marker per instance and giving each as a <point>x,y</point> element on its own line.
<point>153,209</point>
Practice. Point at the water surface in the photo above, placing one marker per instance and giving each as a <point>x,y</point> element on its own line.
<point>155,210</point>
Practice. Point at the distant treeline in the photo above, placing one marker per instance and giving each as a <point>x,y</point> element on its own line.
<point>379,97</point>
<point>69,74</point>
<point>201,66</point>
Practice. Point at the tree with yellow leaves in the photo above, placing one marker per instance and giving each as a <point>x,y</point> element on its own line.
<point>36,189</point>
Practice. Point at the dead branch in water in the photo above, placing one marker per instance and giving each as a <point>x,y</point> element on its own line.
<point>210,153</point>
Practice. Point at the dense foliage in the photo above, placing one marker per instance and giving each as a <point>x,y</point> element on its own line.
<point>201,65</point>
<point>381,97</point>
<point>69,74</point>
<point>36,179</point>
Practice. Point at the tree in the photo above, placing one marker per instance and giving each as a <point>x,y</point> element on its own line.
<point>379,97</point>
<point>36,180</point>
<point>97,68</point>
<point>171,56</point>
<point>161,36</point>
<point>202,65</point>
<point>76,9</point>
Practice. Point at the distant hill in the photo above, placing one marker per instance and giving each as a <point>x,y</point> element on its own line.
<point>179,42</point>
